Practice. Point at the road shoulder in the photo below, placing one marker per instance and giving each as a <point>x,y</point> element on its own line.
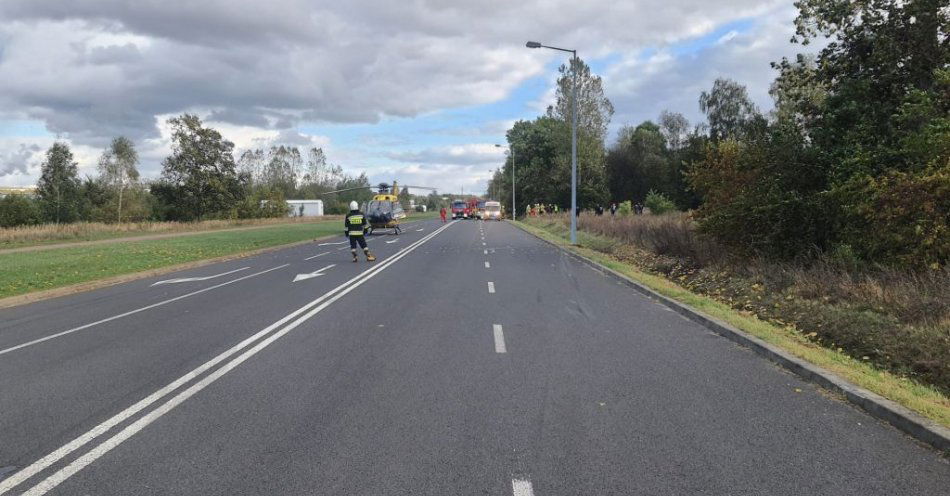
<point>926,421</point>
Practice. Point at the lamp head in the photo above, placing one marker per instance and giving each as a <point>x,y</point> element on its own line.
<point>533,44</point>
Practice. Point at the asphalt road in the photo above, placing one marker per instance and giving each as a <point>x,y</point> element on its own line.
<point>470,359</point>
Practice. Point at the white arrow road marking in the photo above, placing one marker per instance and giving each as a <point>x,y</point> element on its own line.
<point>192,279</point>
<point>521,487</point>
<point>78,464</point>
<point>316,273</point>
<point>315,256</point>
<point>393,241</point>
<point>133,312</point>
<point>328,244</point>
<point>499,341</point>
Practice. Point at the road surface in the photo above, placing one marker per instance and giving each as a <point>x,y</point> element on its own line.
<point>470,359</point>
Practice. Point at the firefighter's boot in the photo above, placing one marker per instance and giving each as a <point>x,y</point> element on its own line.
<point>369,256</point>
<point>355,258</point>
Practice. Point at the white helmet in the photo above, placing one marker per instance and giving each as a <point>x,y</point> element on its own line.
<point>354,205</point>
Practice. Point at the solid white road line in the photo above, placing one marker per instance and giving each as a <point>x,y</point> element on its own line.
<point>487,265</point>
<point>192,279</point>
<point>317,255</point>
<point>78,464</point>
<point>316,273</point>
<point>137,310</point>
<point>521,487</point>
<point>491,287</point>
<point>499,339</point>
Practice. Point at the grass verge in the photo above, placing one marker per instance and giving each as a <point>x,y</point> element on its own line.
<point>26,272</point>
<point>46,234</point>
<point>925,400</point>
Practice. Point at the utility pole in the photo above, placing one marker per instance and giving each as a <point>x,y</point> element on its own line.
<point>574,64</point>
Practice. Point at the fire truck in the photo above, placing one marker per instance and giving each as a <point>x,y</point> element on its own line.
<point>472,208</point>
<point>458,209</point>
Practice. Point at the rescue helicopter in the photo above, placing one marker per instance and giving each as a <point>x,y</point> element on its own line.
<point>384,211</point>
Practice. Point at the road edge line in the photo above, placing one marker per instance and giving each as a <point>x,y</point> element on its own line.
<point>28,472</point>
<point>279,330</point>
<point>907,421</point>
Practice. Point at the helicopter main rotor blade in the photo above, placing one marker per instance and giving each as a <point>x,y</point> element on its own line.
<point>344,190</point>
<point>420,187</point>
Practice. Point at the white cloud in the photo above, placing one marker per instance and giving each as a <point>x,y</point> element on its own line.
<point>470,154</point>
<point>21,157</point>
<point>641,87</point>
<point>94,69</point>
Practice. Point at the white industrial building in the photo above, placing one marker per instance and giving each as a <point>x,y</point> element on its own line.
<point>305,208</point>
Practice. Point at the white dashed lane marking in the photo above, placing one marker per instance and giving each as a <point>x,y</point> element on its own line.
<point>521,487</point>
<point>487,265</point>
<point>491,287</point>
<point>499,339</point>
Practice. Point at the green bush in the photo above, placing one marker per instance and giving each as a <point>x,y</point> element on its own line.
<point>625,208</point>
<point>658,203</point>
<point>17,210</point>
<point>899,218</point>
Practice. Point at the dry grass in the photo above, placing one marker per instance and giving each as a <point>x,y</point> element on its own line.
<point>89,231</point>
<point>895,320</point>
<point>670,234</point>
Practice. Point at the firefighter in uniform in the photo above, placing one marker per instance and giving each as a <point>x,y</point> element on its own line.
<point>356,227</point>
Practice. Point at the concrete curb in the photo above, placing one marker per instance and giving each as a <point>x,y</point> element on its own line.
<point>13,301</point>
<point>911,423</point>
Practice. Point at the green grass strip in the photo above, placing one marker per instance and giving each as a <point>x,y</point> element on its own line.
<point>922,399</point>
<point>22,273</point>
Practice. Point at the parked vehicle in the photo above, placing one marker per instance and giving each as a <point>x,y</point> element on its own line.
<point>492,211</point>
<point>471,208</point>
<point>458,209</point>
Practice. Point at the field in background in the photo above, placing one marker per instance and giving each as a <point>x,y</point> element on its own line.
<point>18,237</point>
<point>914,393</point>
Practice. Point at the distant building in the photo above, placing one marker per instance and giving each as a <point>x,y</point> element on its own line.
<point>305,208</point>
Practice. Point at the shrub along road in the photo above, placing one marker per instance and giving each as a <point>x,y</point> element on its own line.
<point>470,359</point>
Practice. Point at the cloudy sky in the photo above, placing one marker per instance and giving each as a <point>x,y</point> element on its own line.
<point>416,90</point>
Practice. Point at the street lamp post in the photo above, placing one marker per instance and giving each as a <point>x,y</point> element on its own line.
<point>514,211</point>
<point>535,44</point>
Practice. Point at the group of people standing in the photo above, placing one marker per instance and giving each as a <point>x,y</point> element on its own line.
<point>637,209</point>
<point>536,209</point>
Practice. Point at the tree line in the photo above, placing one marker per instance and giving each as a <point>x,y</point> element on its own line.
<point>853,161</point>
<point>200,180</point>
